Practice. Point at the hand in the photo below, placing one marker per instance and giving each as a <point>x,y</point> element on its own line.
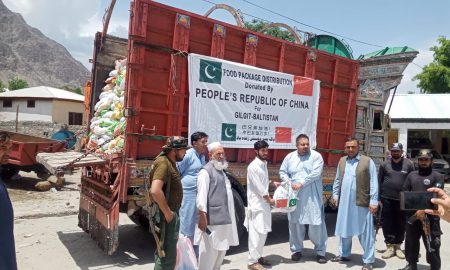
<point>443,203</point>
<point>202,221</point>
<point>169,217</point>
<point>276,183</point>
<point>296,186</point>
<point>270,201</point>
<point>373,208</point>
<point>334,203</point>
<point>420,214</point>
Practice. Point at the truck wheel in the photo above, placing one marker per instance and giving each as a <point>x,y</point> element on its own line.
<point>239,211</point>
<point>139,218</point>
<point>43,175</point>
<point>9,172</point>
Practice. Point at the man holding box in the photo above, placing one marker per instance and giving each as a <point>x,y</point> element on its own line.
<point>303,168</point>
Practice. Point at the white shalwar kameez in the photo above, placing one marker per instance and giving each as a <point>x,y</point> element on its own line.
<point>306,170</point>
<point>212,248</point>
<point>258,219</point>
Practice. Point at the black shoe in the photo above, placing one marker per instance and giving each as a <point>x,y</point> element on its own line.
<point>367,266</point>
<point>296,256</point>
<point>262,261</point>
<point>321,259</point>
<point>410,266</point>
<point>340,259</point>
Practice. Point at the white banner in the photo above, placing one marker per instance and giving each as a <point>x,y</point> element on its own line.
<point>237,104</point>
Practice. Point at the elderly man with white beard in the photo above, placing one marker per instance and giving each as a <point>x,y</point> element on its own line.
<point>216,230</point>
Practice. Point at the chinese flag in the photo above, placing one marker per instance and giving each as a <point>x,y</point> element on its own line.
<point>283,135</point>
<point>303,86</point>
<point>281,203</point>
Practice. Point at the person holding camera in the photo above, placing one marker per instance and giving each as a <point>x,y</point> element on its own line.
<point>391,177</point>
<point>421,224</point>
<point>443,203</point>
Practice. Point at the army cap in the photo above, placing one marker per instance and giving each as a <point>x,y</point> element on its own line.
<point>425,153</point>
<point>176,142</point>
<point>397,146</point>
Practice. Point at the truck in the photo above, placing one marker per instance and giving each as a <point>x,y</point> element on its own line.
<point>157,105</point>
<point>23,154</point>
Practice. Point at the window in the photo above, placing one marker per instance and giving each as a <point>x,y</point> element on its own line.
<point>30,104</point>
<point>7,103</point>
<point>377,120</point>
<point>75,118</point>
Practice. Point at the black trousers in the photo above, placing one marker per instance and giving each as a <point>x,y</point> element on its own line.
<point>393,222</point>
<point>412,244</point>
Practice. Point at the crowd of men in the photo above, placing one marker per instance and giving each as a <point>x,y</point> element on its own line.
<point>195,199</point>
<point>207,214</point>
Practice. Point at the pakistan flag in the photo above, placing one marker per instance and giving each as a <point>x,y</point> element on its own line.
<point>210,71</point>
<point>228,132</point>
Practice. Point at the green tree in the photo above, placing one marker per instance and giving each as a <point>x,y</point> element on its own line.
<point>17,83</point>
<point>2,86</point>
<point>258,25</point>
<point>435,77</point>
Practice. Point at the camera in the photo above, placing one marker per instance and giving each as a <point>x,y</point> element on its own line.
<point>417,200</point>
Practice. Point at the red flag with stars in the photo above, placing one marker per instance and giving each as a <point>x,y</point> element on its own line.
<point>283,134</point>
<point>303,86</point>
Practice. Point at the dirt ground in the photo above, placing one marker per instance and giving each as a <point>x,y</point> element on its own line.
<point>47,237</point>
<point>31,203</point>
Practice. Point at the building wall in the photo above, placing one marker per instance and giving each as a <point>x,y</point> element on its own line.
<point>436,135</point>
<point>61,109</point>
<point>42,110</point>
<point>42,129</point>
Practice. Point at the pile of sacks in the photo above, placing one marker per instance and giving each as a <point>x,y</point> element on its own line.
<point>108,124</point>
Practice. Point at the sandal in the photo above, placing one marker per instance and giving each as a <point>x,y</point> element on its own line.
<point>262,261</point>
<point>340,259</point>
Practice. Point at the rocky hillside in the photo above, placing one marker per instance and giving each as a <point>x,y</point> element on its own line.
<point>29,54</point>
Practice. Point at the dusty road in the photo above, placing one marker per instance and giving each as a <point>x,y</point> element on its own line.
<point>47,237</point>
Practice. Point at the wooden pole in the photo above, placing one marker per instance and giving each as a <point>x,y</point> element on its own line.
<point>17,117</point>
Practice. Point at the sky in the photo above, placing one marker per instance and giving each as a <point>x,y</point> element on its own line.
<point>413,23</point>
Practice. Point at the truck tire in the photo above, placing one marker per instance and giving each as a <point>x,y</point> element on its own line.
<point>9,172</point>
<point>43,175</point>
<point>239,212</point>
<point>139,218</point>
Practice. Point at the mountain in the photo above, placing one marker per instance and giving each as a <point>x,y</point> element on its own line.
<point>29,54</point>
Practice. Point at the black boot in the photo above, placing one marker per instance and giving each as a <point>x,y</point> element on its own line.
<point>410,266</point>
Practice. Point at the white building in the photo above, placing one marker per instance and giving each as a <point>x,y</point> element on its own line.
<point>42,103</point>
<point>420,119</point>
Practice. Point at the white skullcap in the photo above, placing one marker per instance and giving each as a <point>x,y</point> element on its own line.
<point>212,146</point>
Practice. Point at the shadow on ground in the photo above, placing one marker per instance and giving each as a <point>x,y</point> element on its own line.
<point>23,183</point>
<point>280,232</point>
<point>136,248</point>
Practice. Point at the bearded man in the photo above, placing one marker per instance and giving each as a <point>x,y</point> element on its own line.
<point>216,230</point>
<point>259,218</point>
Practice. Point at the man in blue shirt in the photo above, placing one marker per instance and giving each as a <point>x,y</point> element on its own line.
<point>7,248</point>
<point>355,191</point>
<point>189,167</point>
